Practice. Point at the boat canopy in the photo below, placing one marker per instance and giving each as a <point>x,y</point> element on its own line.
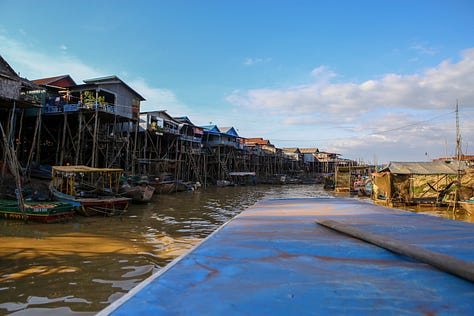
<point>242,174</point>
<point>81,168</point>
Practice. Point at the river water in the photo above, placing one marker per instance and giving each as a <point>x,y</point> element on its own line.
<point>80,267</point>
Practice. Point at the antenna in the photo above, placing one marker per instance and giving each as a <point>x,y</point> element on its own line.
<point>446,149</point>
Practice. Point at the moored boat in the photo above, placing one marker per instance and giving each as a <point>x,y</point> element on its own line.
<point>171,186</point>
<point>164,187</point>
<point>92,191</point>
<point>467,205</point>
<point>243,178</point>
<point>39,211</point>
<point>140,192</point>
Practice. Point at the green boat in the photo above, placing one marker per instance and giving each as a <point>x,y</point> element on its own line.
<point>39,211</point>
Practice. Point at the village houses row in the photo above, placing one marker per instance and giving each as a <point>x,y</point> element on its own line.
<point>99,123</point>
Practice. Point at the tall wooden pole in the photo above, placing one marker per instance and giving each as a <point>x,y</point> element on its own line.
<point>96,123</point>
<point>79,138</point>
<point>458,158</point>
<point>34,141</point>
<point>14,165</point>
<point>63,140</point>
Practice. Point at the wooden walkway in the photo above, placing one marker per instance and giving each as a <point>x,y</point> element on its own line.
<point>274,259</point>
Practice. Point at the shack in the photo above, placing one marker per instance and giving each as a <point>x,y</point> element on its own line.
<point>351,178</point>
<point>415,183</point>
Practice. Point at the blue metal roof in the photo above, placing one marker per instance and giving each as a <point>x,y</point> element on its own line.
<point>273,259</point>
<point>211,129</point>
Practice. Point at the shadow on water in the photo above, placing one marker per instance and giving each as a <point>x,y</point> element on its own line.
<point>80,267</point>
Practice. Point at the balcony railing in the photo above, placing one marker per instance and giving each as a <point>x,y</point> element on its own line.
<point>191,138</point>
<point>76,107</point>
<point>221,142</point>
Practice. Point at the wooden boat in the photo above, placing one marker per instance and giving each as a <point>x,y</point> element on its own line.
<point>140,192</point>
<point>171,186</point>
<point>224,183</point>
<point>164,187</point>
<point>292,260</point>
<point>182,186</point>
<point>362,187</point>
<point>467,205</point>
<point>43,211</point>
<point>243,178</point>
<point>92,191</point>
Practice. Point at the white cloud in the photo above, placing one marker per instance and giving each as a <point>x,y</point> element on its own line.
<point>423,48</point>
<point>33,64</point>
<point>436,88</point>
<point>394,117</point>
<point>158,99</point>
<point>387,115</point>
<point>253,61</point>
<point>323,73</point>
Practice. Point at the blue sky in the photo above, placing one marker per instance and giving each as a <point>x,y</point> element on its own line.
<point>371,80</point>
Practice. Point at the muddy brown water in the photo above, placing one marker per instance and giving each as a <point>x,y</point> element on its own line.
<point>80,267</point>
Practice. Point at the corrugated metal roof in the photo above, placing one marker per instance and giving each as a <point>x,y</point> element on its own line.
<point>228,130</point>
<point>291,150</point>
<point>426,167</point>
<point>110,80</point>
<point>257,141</point>
<point>7,69</point>
<point>52,81</point>
<point>309,150</point>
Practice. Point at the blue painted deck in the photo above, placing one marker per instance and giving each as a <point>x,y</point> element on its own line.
<point>273,259</point>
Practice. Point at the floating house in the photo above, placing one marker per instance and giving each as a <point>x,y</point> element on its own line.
<point>190,133</point>
<point>224,148</point>
<point>215,136</point>
<point>267,161</point>
<point>191,150</point>
<point>259,145</point>
<point>16,91</point>
<point>158,144</point>
<point>88,124</point>
<point>413,183</point>
<point>18,97</point>
<point>353,179</point>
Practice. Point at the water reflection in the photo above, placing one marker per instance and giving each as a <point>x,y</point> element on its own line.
<point>79,267</point>
<point>450,213</point>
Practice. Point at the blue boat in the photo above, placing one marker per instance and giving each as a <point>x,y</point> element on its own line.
<point>276,259</point>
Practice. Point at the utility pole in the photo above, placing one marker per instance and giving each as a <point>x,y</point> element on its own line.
<point>458,158</point>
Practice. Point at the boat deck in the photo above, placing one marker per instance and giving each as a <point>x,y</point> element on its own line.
<point>274,259</point>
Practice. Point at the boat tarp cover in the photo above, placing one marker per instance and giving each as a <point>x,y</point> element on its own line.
<point>242,174</point>
<point>81,168</point>
<point>425,168</point>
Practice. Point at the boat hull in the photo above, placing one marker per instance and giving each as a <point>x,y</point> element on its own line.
<point>44,211</point>
<point>467,205</point>
<point>104,206</point>
<point>139,193</point>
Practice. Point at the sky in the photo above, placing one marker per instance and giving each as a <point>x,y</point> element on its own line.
<point>372,80</point>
